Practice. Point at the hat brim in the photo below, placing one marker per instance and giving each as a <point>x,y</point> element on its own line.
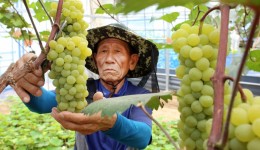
<point>147,51</point>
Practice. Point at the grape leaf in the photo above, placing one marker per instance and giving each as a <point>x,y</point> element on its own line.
<point>253,61</point>
<point>136,6</point>
<point>40,15</point>
<point>107,7</point>
<point>110,106</point>
<point>168,17</point>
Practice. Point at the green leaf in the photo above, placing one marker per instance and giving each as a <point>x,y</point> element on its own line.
<point>169,17</point>
<point>136,6</point>
<point>40,14</point>
<point>55,141</point>
<point>197,12</point>
<point>45,32</point>
<point>253,61</point>
<point>110,106</point>
<point>107,7</point>
<point>163,46</point>
<point>17,22</point>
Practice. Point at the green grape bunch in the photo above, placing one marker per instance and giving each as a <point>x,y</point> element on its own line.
<point>68,53</point>
<point>197,54</point>
<point>244,127</point>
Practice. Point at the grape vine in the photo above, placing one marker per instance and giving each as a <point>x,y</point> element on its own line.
<point>12,75</point>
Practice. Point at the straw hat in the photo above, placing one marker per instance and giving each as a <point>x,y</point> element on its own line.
<point>147,51</point>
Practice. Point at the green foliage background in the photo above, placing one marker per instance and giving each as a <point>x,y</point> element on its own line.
<point>25,130</point>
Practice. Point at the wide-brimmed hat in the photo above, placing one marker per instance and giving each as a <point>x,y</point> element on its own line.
<point>147,51</point>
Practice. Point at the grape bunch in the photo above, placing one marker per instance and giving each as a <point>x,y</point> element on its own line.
<point>68,53</point>
<point>244,128</point>
<point>197,54</point>
<point>197,57</point>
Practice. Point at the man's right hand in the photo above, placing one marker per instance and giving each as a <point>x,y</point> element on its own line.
<point>30,82</point>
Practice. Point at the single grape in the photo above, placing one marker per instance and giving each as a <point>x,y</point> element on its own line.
<point>63,41</point>
<point>214,37</point>
<point>196,107</point>
<point>204,40</point>
<point>244,133</point>
<point>207,51</point>
<point>235,144</point>
<point>254,113</point>
<point>193,40</point>
<point>254,144</point>
<point>71,79</point>
<point>196,86</point>
<point>63,106</point>
<point>185,51</point>
<point>206,101</point>
<point>202,64</point>
<point>59,48</point>
<point>207,74</point>
<point>180,71</point>
<point>67,59</point>
<point>195,74</point>
<point>196,53</point>
<point>207,90</point>
<point>52,44</point>
<point>255,127</point>
<point>239,116</point>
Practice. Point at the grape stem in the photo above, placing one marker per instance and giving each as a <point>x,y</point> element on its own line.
<point>13,74</point>
<point>255,23</point>
<point>159,125</point>
<point>218,81</point>
<point>205,15</point>
<point>199,11</point>
<point>243,96</point>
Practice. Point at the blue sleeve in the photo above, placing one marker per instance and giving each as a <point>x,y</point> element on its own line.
<point>43,103</point>
<point>129,132</point>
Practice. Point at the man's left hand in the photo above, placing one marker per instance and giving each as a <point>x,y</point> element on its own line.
<point>85,124</point>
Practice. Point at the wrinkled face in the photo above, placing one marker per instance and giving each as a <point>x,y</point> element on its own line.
<point>113,59</point>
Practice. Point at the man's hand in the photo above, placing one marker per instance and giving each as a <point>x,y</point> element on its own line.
<point>31,82</point>
<point>84,124</point>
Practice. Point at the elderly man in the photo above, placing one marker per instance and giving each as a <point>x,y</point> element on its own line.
<point>118,54</point>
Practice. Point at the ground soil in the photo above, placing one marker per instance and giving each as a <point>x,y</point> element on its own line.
<point>169,112</point>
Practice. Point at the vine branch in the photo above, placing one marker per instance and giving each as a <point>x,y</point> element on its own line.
<point>240,89</point>
<point>218,82</point>
<point>159,125</point>
<point>13,74</point>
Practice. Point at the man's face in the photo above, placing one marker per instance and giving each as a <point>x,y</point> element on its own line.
<point>113,59</point>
